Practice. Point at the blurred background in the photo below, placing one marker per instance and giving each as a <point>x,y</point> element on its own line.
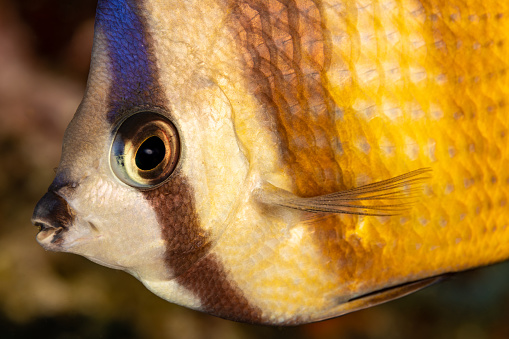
<point>44,55</point>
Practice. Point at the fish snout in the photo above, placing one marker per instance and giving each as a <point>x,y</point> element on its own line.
<point>53,216</point>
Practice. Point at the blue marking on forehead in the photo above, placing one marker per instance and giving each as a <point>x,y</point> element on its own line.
<point>132,61</point>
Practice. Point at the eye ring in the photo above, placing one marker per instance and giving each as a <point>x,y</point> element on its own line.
<point>145,150</point>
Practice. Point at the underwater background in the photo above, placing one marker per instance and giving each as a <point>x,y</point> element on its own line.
<point>44,57</point>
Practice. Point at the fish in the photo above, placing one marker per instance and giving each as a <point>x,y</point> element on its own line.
<point>282,162</point>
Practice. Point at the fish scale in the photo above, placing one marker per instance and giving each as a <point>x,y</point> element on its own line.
<point>459,117</point>
<point>332,155</point>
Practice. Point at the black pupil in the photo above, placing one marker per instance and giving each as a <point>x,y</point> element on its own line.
<point>150,153</point>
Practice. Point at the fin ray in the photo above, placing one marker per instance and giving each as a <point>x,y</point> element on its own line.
<point>367,199</point>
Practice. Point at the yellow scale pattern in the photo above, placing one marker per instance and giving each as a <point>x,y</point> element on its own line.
<point>423,84</point>
<point>409,85</point>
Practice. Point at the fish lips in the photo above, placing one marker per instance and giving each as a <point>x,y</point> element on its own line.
<point>53,216</point>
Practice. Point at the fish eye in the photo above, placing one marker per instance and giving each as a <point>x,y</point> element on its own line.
<point>145,150</point>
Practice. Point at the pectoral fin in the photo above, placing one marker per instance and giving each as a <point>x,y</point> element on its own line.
<point>383,198</point>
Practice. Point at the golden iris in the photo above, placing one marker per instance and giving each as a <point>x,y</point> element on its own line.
<point>145,150</point>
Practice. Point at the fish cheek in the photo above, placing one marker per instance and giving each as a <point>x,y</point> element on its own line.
<point>115,227</point>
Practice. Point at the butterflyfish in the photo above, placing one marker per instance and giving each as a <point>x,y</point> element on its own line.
<point>288,161</point>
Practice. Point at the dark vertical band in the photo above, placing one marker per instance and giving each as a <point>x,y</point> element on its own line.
<point>131,57</point>
<point>188,254</point>
<point>218,295</point>
<point>135,83</point>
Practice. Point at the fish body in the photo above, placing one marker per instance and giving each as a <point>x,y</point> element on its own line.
<point>283,162</point>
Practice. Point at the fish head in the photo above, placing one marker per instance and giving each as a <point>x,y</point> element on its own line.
<point>150,169</point>
<point>93,208</point>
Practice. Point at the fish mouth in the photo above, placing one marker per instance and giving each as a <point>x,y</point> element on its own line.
<point>53,216</point>
<point>46,231</point>
<point>49,237</point>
